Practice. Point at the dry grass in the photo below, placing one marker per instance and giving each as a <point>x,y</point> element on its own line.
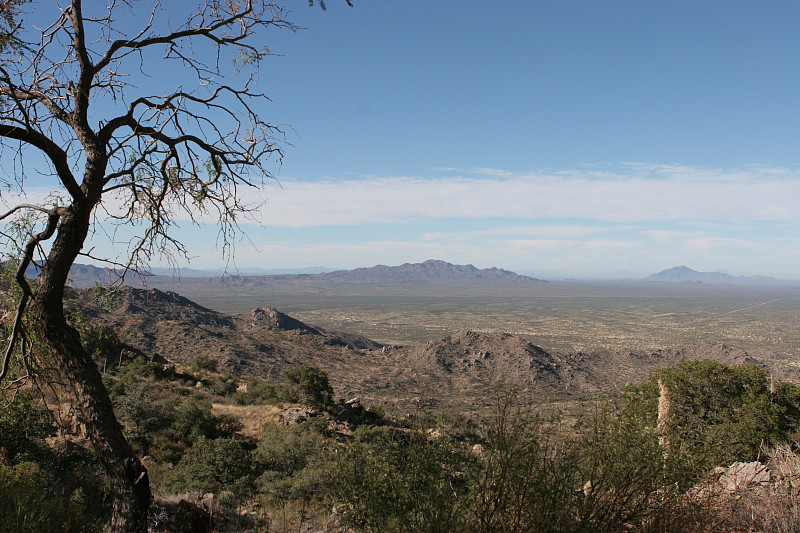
<point>749,507</point>
<point>253,417</point>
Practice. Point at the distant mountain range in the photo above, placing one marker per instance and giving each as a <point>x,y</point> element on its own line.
<point>431,272</point>
<point>186,272</point>
<point>685,274</point>
<point>426,274</point>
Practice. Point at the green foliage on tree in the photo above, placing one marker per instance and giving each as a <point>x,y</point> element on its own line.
<point>212,465</point>
<point>402,481</point>
<point>9,25</point>
<point>310,385</point>
<point>293,463</point>
<point>720,413</point>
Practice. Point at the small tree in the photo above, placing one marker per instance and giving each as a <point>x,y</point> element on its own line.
<point>311,385</point>
<point>719,413</point>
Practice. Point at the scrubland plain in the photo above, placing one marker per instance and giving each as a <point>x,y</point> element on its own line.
<point>556,315</point>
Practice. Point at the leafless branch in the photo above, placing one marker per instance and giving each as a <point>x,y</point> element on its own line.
<point>183,154</point>
<point>17,329</point>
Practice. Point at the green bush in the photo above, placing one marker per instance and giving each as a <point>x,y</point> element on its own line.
<point>528,475</point>
<point>23,428</point>
<point>534,472</point>
<point>226,384</point>
<point>132,374</point>
<point>720,413</point>
<point>310,384</point>
<point>292,462</point>
<point>212,465</point>
<point>193,419</point>
<point>142,414</point>
<point>256,393</point>
<point>204,362</point>
<point>624,475</point>
<point>27,505</point>
<point>401,481</point>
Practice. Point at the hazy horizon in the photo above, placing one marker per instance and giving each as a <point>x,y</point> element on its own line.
<point>317,269</point>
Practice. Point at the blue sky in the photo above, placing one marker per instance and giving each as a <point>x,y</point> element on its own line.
<point>562,139</point>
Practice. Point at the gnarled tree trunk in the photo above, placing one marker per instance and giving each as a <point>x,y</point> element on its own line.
<point>127,477</point>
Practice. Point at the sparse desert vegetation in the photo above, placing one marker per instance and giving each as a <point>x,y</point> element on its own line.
<point>724,449</point>
<point>559,315</point>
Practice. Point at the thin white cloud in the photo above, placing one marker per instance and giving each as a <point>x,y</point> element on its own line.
<point>555,231</point>
<point>657,193</point>
<point>493,172</point>
<point>643,218</point>
<point>640,193</point>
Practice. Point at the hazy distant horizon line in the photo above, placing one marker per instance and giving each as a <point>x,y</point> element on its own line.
<point>188,271</point>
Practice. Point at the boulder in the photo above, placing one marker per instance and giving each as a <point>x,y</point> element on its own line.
<point>189,518</point>
<point>297,415</point>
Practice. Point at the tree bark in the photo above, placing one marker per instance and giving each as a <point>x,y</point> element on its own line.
<point>127,477</point>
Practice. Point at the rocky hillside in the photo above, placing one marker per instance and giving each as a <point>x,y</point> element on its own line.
<point>465,367</point>
<point>165,325</point>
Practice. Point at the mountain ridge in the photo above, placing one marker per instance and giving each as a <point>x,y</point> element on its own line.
<point>432,271</point>
<point>683,273</point>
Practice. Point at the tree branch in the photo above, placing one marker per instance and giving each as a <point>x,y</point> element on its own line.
<point>53,216</point>
<point>87,71</point>
<point>247,19</point>
<point>54,152</point>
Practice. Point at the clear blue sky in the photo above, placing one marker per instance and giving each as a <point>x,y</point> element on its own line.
<point>558,138</point>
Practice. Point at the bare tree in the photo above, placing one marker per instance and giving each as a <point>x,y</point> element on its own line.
<point>125,143</point>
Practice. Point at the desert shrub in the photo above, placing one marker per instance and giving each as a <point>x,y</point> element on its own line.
<point>212,465</point>
<point>141,368</point>
<point>292,463</point>
<point>257,393</point>
<point>309,384</point>
<point>132,374</point>
<point>401,481</point>
<point>720,413</point>
<point>23,428</point>
<point>204,362</point>
<point>165,425</point>
<point>528,475</point>
<point>165,453</point>
<point>142,414</point>
<point>605,470</point>
<point>226,384</point>
<point>626,477</point>
<point>28,505</point>
<point>606,473</point>
<point>193,419</point>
